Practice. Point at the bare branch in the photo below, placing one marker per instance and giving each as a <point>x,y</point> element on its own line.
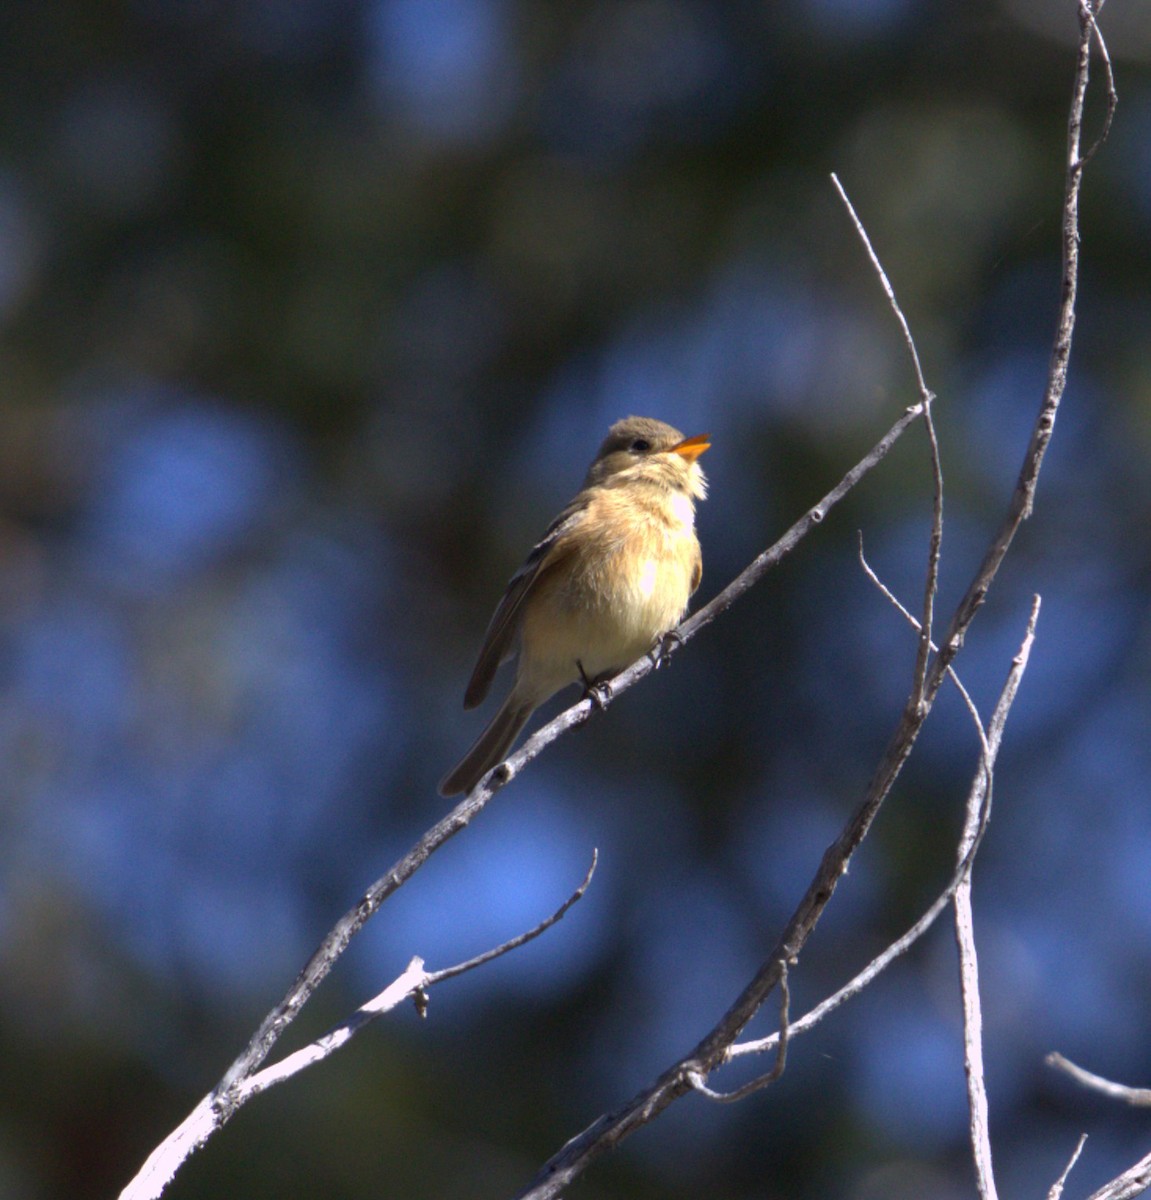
<point>973,1040</point>
<point>337,941</point>
<point>926,396</point>
<point>965,935</point>
<point>516,942</point>
<point>162,1164</point>
<point>760,1082</point>
<point>978,813</point>
<point>318,967</point>
<point>1023,496</point>
<point>413,980</point>
<point>614,1126</point>
<point>1133,1182</point>
<point>918,627</point>
<point>935,545</point>
<point>1089,13</point>
<point>931,583</point>
<point>611,1128</point>
<point>1136,1096</point>
<point>717,1047</point>
<point>193,1132</point>
<point>1056,1189</point>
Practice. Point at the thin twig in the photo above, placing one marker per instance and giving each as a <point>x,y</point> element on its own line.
<point>205,1119</point>
<point>516,942</point>
<point>979,1120</point>
<point>782,1039</point>
<point>611,1128</point>
<point>934,550</point>
<point>925,392</point>
<point>1138,1097</point>
<point>909,617</point>
<point>415,981</point>
<point>1023,495</point>
<point>965,939</point>
<point>926,396</point>
<point>1090,14</point>
<point>1056,1189</point>
<point>978,813</point>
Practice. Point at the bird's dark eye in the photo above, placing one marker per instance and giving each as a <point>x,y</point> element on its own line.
<point>640,446</point>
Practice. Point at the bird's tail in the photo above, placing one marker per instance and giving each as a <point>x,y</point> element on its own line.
<point>490,747</point>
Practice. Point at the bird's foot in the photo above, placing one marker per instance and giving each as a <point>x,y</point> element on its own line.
<point>665,645</point>
<point>598,691</point>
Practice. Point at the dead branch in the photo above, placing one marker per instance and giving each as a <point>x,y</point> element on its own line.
<point>206,1118</point>
<point>611,1128</point>
<point>1138,1097</point>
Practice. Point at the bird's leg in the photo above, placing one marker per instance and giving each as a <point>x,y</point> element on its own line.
<point>598,691</point>
<point>664,645</point>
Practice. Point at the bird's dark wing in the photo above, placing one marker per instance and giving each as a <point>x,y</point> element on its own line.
<point>499,641</point>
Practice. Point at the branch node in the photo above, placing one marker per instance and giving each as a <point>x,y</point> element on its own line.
<point>695,1078</point>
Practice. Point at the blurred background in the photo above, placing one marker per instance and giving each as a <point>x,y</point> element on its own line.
<point>312,313</point>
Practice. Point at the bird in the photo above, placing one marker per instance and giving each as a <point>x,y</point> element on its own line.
<point>607,582</point>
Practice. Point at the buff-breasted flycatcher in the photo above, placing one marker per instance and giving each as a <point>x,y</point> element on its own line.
<point>612,575</point>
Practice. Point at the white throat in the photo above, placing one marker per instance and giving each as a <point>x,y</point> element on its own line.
<point>684,508</point>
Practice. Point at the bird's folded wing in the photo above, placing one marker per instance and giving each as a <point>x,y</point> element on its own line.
<point>499,641</point>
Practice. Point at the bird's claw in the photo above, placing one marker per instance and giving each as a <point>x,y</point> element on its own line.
<point>662,650</point>
<point>598,691</point>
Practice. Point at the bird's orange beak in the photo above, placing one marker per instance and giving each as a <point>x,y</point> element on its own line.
<point>691,448</point>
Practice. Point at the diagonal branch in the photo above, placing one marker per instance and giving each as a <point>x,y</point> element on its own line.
<point>336,942</point>
<point>781,1040</point>
<point>611,1128</point>
<point>718,1046</point>
<point>216,1109</point>
<point>1056,1189</point>
<point>415,982</point>
<point>205,1119</point>
<point>978,813</point>
<point>894,600</point>
<point>1133,1182</point>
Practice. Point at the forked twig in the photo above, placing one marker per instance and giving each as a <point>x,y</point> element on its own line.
<point>613,1127</point>
<point>978,813</point>
<point>222,1102</point>
<point>781,1043</point>
<point>414,981</point>
<point>909,617</point>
